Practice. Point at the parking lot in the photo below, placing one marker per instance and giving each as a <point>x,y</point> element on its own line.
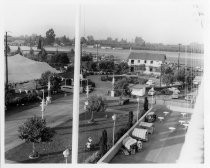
<point>164,146</point>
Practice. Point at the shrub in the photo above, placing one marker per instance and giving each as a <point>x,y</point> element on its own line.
<point>103,78</point>
<point>166,92</point>
<point>145,105</point>
<point>130,119</point>
<point>93,158</point>
<point>120,133</point>
<point>103,143</point>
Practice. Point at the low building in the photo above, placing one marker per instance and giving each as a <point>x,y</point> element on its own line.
<point>146,62</point>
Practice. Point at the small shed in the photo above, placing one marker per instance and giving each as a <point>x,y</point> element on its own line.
<point>128,142</point>
<point>149,126</point>
<point>141,134</point>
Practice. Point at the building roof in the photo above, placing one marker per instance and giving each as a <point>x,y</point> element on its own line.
<point>21,69</point>
<point>147,56</point>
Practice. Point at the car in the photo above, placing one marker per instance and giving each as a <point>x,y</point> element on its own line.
<point>189,98</point>
<point>175,96</point>
<point>69,89</point>
<point>151,92</point>
<point>174,90</point>
<point>150,117</point>
<point>150,82</point>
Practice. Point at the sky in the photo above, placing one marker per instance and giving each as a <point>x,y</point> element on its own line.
<point>168,22</point>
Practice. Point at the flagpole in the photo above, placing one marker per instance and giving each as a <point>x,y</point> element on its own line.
<point>75,124</point>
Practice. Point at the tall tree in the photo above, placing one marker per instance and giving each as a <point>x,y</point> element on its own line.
<point>50,37</point>
<point>121,87</point>
<point>40,43</point>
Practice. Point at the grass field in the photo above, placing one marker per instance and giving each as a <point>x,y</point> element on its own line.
<point>52,152</point>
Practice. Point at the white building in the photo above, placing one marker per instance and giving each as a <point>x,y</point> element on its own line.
<point>146,62</point>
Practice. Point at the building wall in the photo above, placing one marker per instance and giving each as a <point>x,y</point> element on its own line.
<point>153,63</point>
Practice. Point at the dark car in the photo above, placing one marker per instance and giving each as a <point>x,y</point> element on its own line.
<point>150,117</point>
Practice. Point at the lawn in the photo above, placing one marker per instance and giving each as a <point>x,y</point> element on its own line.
<point>52,152</point>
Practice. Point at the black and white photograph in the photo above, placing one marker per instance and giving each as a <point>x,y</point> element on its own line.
<point>103,82</point>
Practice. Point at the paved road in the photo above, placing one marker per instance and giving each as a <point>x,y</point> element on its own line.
<point>59,111</point>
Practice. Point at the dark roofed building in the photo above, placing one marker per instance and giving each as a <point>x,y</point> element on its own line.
<point>146,62</point>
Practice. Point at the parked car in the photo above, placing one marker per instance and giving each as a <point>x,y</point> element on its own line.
<point>150,117</point>
<point>151,92</point>
<point>150,82</point>
<point>174,90</point>
<point>189,98</point>
<point>175,96</point>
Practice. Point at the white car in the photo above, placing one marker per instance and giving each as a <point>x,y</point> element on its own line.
<point>151,92</point>
<point>70,88</point>
<point>150,82</point>
<point>175,96</point>
<point>174,90</point>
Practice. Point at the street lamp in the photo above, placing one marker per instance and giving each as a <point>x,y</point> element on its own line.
<point>113,81</point>
<point>48,97</point>
<point>43,105</point>
<point>114,119</point>
<point>66,154</point>
<point>152,93</point>
<point>137,113</point>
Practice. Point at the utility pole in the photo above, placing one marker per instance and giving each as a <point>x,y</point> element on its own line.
<point>178,57</point>
<point>97,51</point>
<point>160,73</point>
<point>6,63</point>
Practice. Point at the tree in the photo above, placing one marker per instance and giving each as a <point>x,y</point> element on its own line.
<point>34,130</point>
<point>168,79</point>
<point>130,119</point>
<point>42,55</point>
<point>40,43</point>
<point>95,104</point>
<point>103,143</point>
<point>121,87</point>
<point>122,68</point>
<point>50,37</point>
<point>31,51</point>
<point>46,76</point>
<point>94,66</point>
<point>90,40</point>
<point>168,76</point>
<point>185,75</point>
<point>83,40</point>
<point>19,51</point>
<point>106,66</point>
<point>145,105</point>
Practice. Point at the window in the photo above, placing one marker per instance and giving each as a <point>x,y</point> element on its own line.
<point>145,61</point>
<point>151,62</point>
<point>138,61</point>
<point>132,61</point>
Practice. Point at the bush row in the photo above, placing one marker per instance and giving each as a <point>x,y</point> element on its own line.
<point>132,80</point>
<point>12,99</point>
